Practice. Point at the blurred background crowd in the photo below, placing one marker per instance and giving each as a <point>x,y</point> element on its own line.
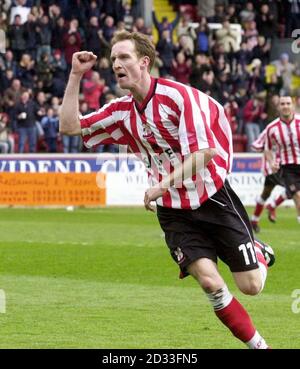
<point>238,52</point>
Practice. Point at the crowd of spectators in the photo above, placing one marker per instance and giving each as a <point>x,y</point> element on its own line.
<point>221,47</point>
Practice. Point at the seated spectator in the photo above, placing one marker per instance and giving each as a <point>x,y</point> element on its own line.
<point>181,68</point>
<point>244,55</point>
<point>186,29</point>
<point>285,69</point>
<point>21,10</point>
<point>50,127</point>
<point>201,61</point>
<point>31,35</point>
<point>272,107</point>
<point>209,85</point>
<point>254,115</point>
<point>219,13</point>
<point>7,62</point>
<point>59,65</point>
<point>94,10</point>
<point>11,98</point>
<point>108,28</point>
<point>58,32</point>
<point>44,71</point>
<point>92,36</point>
<point>166,49</point>
<point>71,42</point>
<point>231,112</point>
<point>256,77</point>
<point>44,34</point>
<point>26,72</point>
<point>139,26</point>
<point>231,14</point>
<point>127,16</point>
<point>275,85</point>
<point>248,13</point>
<point>186,46</point>
<point>202,36</point>
<point>6,79</point>
<point>106,73</point>
<point>25,114</point>
<point>266,25</point>
<point>17,36</point>
<point>93,89</point>
<point>250,29</point>
<point>206,8</point>
<point>262,50</point>
<point>7,143</point>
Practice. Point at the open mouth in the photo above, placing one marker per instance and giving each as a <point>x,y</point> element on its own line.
<point>121,75</point>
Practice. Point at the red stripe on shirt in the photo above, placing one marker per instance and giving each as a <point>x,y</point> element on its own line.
<point>282,138</point>
<point>216,128</point>
<point>289,128</point>
<point>170,103</point>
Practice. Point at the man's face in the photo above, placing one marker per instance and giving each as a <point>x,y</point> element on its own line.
<point>286,107</point>
<point>126,64</point>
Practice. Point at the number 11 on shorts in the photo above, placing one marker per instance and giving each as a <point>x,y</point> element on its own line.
<point>248,251</point>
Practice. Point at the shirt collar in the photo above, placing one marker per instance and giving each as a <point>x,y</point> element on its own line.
<point>142,106</point>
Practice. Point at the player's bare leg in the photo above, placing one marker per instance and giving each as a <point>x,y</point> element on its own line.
<point>226,307</point>
<point>271,208</point>
<point>259,206</point>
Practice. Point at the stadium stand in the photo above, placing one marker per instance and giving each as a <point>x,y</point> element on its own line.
<point>233,51</point>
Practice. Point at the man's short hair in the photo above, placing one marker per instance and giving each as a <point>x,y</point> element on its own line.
<point>143,45</point>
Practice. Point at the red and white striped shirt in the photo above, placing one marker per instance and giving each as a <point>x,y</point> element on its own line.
<point>286,138</point>
<point>259,146</point>
<point>173,121</point>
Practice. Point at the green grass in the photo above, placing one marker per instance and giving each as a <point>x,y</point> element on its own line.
<point>104,279</point>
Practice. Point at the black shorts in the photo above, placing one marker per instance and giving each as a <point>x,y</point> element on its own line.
<point>274,180</point>
<point>291,177</point>
<point>220,228</point>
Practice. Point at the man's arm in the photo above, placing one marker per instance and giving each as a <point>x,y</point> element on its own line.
<point>192,164</point>
<point>270,159</point>
<point>69,121</point>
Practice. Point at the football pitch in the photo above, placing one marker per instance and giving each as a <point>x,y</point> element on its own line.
<point>104,279</point>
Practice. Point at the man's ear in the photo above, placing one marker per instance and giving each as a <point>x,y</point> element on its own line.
<point>145,62</point>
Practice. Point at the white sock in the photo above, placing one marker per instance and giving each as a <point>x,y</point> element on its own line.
<point>262,267</point>
<point>220,299</point>
<point>298,218</point>
<point>272,204</point>
<point>260,200</point>
<point>257,342</point>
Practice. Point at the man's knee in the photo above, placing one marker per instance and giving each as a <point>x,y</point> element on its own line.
<point>206,273</point>
<point>252,288</point>
<point>210,283</point>
<point>250,283</point>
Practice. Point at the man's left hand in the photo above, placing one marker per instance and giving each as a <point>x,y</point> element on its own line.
<point>152,194</point>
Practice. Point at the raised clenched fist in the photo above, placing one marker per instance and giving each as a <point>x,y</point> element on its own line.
<point>83,61</point>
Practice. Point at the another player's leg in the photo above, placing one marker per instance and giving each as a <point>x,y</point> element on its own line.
<point>271,207</point>
<point>227,308</point>
<point>259,206</point>
<point>291,178</point>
